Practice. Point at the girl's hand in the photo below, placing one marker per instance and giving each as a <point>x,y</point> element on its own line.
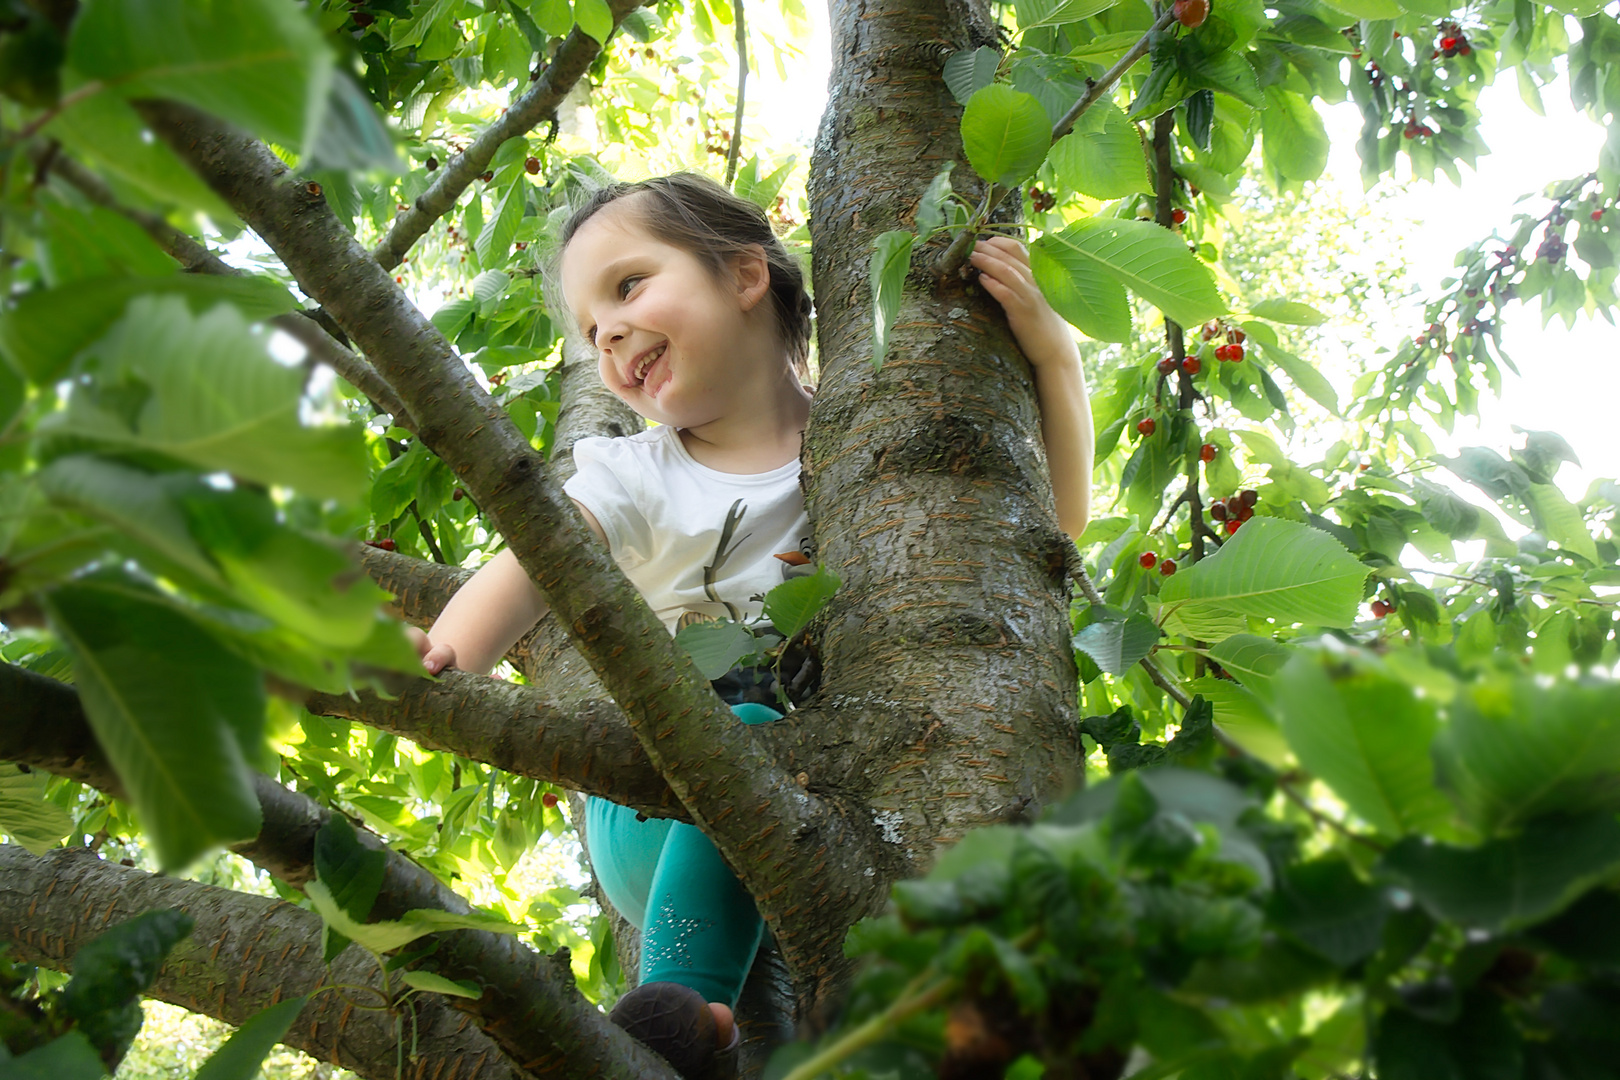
<point>435,658</point>
<point>1004,271</point>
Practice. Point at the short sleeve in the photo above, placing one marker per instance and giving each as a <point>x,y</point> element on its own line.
<point>605,482</point>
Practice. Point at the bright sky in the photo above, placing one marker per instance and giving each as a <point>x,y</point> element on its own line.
<point>1565,372</point>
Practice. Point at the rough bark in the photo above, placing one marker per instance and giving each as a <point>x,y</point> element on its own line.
<point>770,828</point>
<point>245,954</point>
<point>534,106</point>
<point>948,698</point>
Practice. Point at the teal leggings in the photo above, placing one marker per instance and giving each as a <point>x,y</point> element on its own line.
<point>698,926</point>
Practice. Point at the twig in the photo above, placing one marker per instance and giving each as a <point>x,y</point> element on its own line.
<point>734,151</point>
<point>956,255</point>
<point>1162,681</point>
<point>1322,819</point>
<point>32,128</point>
<point>874,1029</point>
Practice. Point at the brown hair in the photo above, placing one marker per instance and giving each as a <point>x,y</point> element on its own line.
<point>697,215</point>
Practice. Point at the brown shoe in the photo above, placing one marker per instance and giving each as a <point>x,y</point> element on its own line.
<point>675,1022</point>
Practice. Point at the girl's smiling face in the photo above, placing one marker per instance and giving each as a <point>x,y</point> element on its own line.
<point>675,341</point>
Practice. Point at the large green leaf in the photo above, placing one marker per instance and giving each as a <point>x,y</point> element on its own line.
<point>1244,718</point>
<point>1366,735</point>
<point>388,935</point>
<point>244,1052</point>
<point>1034,13</point>
<point>795,602</point>
<point>1288,311</point>
<point>108,132</point>
<point>494,244</point>
<point>1252,659</point>
<point>25,816</point>
<point>1512,883</point>
<point>258,63</point>
<point>1105,163</point>
<point>1272,569</point>
<point>1005,133</point>
<point>1294,139</point>
<point>353,872</point>
<point>970,70</point>
<point>45,330</point>
<point>891,261</point>
<point>1515,750</point>
<point>70,1057</point>
<point>171,707</point>
<point>1329,909</point>
<point>1560,521</point>
<point>716,644</point>
<point>205,391</point>
<point>1151,261</point>
<point>113,969</point>
<point>1087,297</point>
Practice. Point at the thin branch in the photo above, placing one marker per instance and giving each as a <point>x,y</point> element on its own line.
<point>955,256</point>
<point>735,149</point>
<point>533,107</point>
<point>1322,819</point>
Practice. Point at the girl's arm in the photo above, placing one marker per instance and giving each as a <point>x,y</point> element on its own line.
<point>487,615</point>
<point>1060,384</point>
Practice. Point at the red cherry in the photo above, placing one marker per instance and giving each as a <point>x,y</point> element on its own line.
<point>1234,352</point>
<point>1233,526</point>
<point>1211,328</point>
<point>1146,427</point>
<point>385,544</point>
<point>1237,337</point>
<point>1448,43</point>
<point>1248,496</point>
<point>1466,50</point>
<point>1167,567</point>
<point>1167,365</point>
<point>1222,353</point>
<point>1381,608</point>
<point>1218,511</point>
<point>363,19</point>
<point>1192,365</point>
<point>1207,452</point>
<point>1191,13</point>
<point>1178,216</point>
<point>549,799</point>
<point>1597,215</point>
<point>487,177</point>
<point>1245,514</point>
<point>531,165</point>
<point>432,163</point>
<point>1146,560</point>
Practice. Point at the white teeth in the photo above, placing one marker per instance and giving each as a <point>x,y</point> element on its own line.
<point>647,362</point>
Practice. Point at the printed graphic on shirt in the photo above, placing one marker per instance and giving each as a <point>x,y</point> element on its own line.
<point>723,551</point>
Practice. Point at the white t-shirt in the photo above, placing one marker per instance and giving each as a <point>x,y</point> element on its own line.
<point>690,538</point>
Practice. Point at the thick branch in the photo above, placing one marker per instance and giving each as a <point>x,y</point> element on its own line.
<point>245,954</point>
<point>588,748</point>
<point>758,815</point>
<point>532,1006</point>
<point>194,257</point>
<point>534,106</point>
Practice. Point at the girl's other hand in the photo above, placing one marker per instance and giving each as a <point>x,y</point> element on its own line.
<point>435,658</point>
<point>1004,271</point>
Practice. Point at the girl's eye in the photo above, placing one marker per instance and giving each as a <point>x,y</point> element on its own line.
<point>626,285</point>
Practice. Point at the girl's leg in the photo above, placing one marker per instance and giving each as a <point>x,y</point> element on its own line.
<point>624,853</point>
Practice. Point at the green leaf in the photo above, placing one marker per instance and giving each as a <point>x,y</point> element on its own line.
<point>1294,139</point>
<point>70,1057</point>
<point>107,132</point>
<point>763,190</point>
<point>791,605</point>
<point>1152,262</point>
<point>1512,883</point>
<point>931,209</point>
<point>595,18</point>
<point>891,261</point>
<point>1092,301</point>
<point>1254,660</point>
<point>1560,521</point>
<point>1243,716</point>
<point>1106,163</point>
<point>46,329</point>
<point>494,243</point>
<point>1515,750</point>
<point>170,707</point>
<point>353,872</point>
<point>1326,907</point>
<point>1292,312</point>
<point>968,71</point>
<point>113,970</point>
<point>1005,133</point>
<point>438,984</point>
<point>386,936</point>
<point>556,17</point>
<point>1303,374</point>
<point>1226,72</point>
<point>352,136</point>
<point>25,816</point>
<point>214,398</point>
<point>1116,639</point>
<point>716,645</point>
<point>1272,569</point>
<point>1035,13</point>
<point>1366,735</point>
<point>258,63</point>
<point>244,1052</point>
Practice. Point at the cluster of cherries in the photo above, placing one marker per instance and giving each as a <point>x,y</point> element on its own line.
<point>1235,509</point>
<point>1232,351</point>
<point>1041,201</point>
<point>1147,560</point>
<point>1416,130</point>
<point>1452,42</point>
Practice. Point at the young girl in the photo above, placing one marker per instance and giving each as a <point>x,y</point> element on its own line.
<point>702,324</point>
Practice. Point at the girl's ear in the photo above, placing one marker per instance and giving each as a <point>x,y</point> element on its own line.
<point>753,272</point>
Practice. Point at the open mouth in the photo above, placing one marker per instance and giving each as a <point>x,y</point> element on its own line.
<point>647,361</point>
